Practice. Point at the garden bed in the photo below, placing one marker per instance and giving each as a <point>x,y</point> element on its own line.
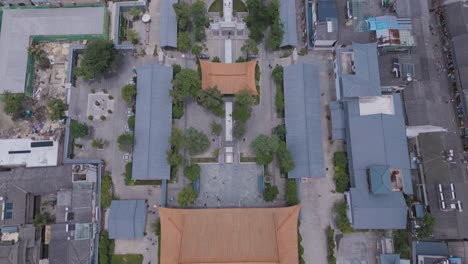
<point>217,6</point>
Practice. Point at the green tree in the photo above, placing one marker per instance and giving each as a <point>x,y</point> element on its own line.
<point>264,148</point>
<point>212,99</point>
<point>125,142</point>
<point>176,140</point>
<point>216,59</point>
<point>286,163</point>
<point>257,20</point>
<point>192,172</point>
<point>250,47</point>
<point>195,141</point>
<point>182,11</point>
<point>176,68</point>
<point>132,36</point>
<point>135,12</point>
<point>41,220</point>
<point>216,128</point>
<point>104,247</point>
<point>200,19</point>
<point>277,74</point>
<point>131,122</point>
<point>280,132</point>
<point>186,84</point>
<point>276,30</point>
<point>196,50</point>
<point>99,57</point>
<point>183,41</point>
<point>243,102</point>
<point>270,193</point>
<point>128,93</point>
<point>14,104</point>
<point>239,130</point>
<point>56,108</point>
<point>427,228</point>
<point>98,143</point>
<point>78,130</point>
<point>174,158</point>
<point>186,196</point>
<point>400,242</point>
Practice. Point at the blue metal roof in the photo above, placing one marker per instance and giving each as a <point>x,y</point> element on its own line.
<point>389,259</point>
<point>380,179</point>
<point>303,118</point>
<point>153,122</point>
<point>168,24</point>
<point>326,10</point>
<point>127,219</point>
<point>287,10</point>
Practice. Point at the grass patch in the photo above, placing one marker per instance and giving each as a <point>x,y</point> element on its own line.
<point>341,219</point>
<point>340,162</point>
<point>331,246</point>
<point>247,159</point>
<point>127,259</point>
<point>279,97</point>
<point>147,182</point>
<point>217,6</point>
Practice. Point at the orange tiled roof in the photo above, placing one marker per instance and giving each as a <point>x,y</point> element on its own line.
<point>229,78</point>
<point>234,235</point>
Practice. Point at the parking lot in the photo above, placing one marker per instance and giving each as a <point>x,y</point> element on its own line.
<point>358,248</point>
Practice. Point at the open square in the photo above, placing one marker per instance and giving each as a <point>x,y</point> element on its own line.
<point>99,105</point>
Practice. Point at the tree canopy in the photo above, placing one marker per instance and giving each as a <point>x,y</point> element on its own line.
<point>131,122</point>
<point>200,18</point>
<point>56,107</point>
<point>195,141</point>
<point>250,47</point>
<point>183,41</point>
<point>243,102</point>
<point>186,196</point>
<point>264,148</point>
<point>212,99</point>
<point>185,84</point>
<point>192,172</point>
<point>125,142</point>
<point>99,57</point>
<point>276,30</point>
<point>128,93</point>
<point>182,11</point>
<point>270,193</point>
<point>78,130</point>
<point>14,104</point>
<point>286,163</point>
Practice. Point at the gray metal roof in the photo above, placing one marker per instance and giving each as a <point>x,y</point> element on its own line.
<point>366,78</point>
<point>63,250</point>
<point>168,25</point>
<point>303,115</point>
<point>287,10</point>
<point>153,119</point>
<point>389,259</point>
<point>326,10</point>
<point>378,139</point>
<point>337,120</point>
<point>377,211</point>
<point>428,248</point>
<point>456,18</point>
<point>18,25</point>
<point>127,219</point>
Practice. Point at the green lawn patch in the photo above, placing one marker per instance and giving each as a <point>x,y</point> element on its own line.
<point>341,219</point>
<point>238,6</point>
<point>204,160</point>
<point>291,192</point>
<point>127,259</point>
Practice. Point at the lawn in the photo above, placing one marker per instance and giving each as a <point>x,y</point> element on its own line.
<point>217,6</point>
<point>127,259</point>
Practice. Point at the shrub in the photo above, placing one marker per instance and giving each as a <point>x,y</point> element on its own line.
<point>132,36</point>
<point>331,245</point>
<point>216,128</point>
<point>427,227</point>
<point>56,108</point>
<point>186,196</point>
<point>128,174</point>
<point>340,162</point>
<point>212,99</point>
<point>257,72</point>
<point>177,110</point>
<point>102,118</point>
<point>78,130</point>
<point>106,185</point>
<point>131,122</point>
<point>93,90</point>
<point>291,192</point>
<point>192,172</point>
<point>270,193</point>
<point>98,143</point>
<point>341,219</point>
<point>280,132</point>
<point>196,50</point>
<point>239,130</point>
<point>286,163</point>
<point>125,142</point>
<point>216,59</point>
<point>109,111</point>
<point>104,248</point>
<point>104,90</point>
<point>174,158</point>
<point>176,140</point>
<point>176,68</point>
<point>157,227</point>
<point>14,104</point>
<point>111,97</point>
<point>183,41</point>
<point>400,242</point>
<point>41,220</point>
<point>195,141</point>
<point>90,117</point>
